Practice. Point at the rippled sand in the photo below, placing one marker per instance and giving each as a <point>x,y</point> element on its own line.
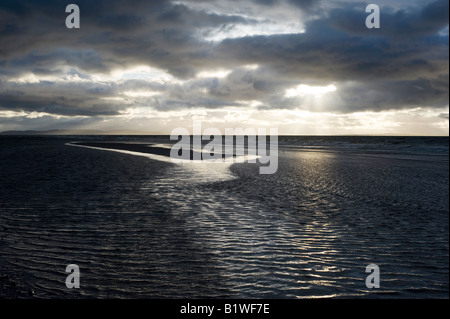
<point>143,228</point>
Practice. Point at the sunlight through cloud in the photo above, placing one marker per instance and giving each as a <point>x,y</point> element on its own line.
<point>305,90</point>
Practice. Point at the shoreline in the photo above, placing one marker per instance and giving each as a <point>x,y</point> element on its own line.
<point>146,148</point>
<point>140,149</point>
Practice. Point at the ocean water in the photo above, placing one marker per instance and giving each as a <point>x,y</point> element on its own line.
<point>143,227</point>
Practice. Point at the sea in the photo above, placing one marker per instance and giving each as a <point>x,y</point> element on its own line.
<point>139,226</point>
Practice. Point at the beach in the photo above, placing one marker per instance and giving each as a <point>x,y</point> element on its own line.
<point>144,228</point>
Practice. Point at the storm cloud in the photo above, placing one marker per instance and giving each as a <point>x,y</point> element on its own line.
<point>217,54</point>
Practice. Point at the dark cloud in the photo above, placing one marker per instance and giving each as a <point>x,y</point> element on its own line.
<point>266,2</point>
<point>305,4</point>
<point>402,25</point>
<point>445,116</point>
<point>403,64</point>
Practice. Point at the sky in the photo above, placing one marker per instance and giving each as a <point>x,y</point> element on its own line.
<point>306,67</point>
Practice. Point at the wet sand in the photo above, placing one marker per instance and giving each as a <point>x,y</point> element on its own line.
<point>148,229</point>
<point>132,147</point>
<point>145,148</point>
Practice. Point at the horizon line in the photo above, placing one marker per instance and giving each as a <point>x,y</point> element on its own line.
<point>54,132</point>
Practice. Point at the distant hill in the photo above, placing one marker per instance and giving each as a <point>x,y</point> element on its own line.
<point>79,132</point>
